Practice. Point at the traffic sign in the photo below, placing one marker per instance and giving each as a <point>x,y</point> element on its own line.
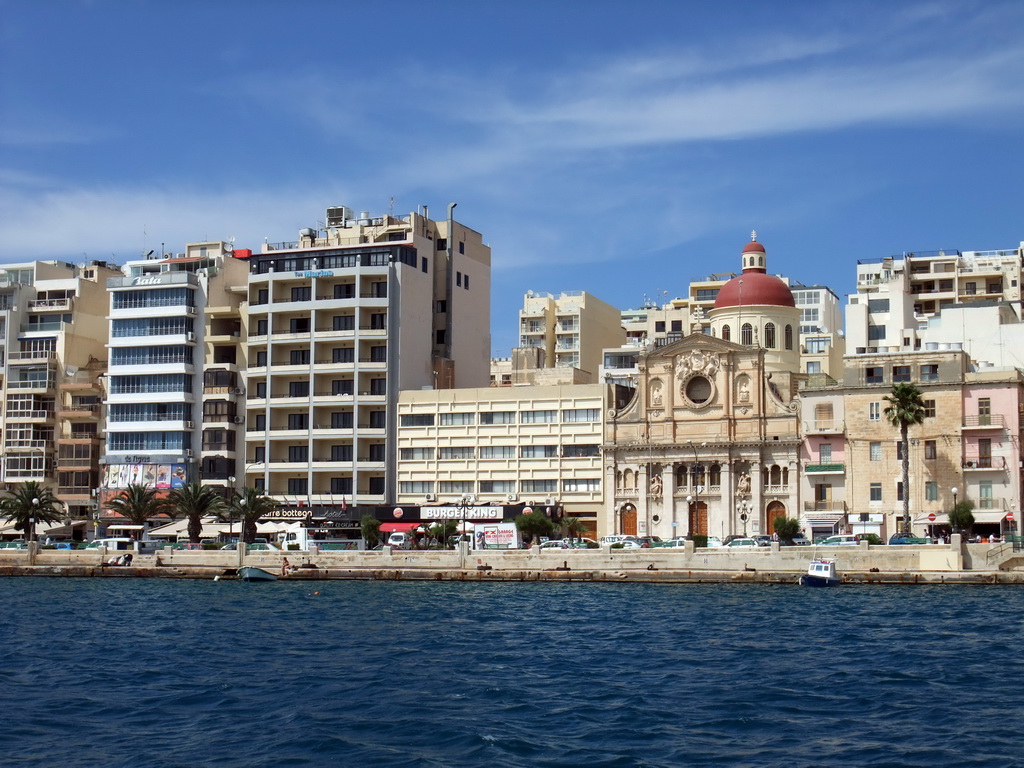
<point>931,517</point>
<point>1009,516</point>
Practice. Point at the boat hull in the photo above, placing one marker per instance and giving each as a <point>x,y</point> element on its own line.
<point>252,573</point>
<point>819,581</point>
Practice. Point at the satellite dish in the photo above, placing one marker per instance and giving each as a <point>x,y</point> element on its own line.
<point>81,265</point>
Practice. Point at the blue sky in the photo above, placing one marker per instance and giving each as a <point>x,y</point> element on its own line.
<point>620,148</point>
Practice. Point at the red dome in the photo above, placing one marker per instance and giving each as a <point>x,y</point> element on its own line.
<point>759,289</point>
<point>754,246</point>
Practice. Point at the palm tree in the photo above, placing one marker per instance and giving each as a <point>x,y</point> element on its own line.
<point>248,506</point>
<point>195,501</point>
<point>138,503</point>
<point>31,503</point>
<point>906,407</point>
<point>575,528</point>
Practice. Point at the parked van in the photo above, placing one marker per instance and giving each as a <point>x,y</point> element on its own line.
<point>123,544</point>
<point>399,540</point>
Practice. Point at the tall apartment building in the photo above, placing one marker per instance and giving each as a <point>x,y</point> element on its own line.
<point>339,322</point>
<point>52,336</point>
<point>898,295</point>
<point>164,351</point>
<point>572,329</point>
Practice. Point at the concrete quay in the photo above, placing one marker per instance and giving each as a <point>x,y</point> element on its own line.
<point>954,563</point>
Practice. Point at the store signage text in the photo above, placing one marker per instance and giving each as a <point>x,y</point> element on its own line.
<point>458,513</point>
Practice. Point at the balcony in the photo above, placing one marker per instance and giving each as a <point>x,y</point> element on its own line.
<point>984,421</point>
<point>825,469</point>
<point>824,427</point>
<point>54,305</point>
<point>983,462</point>
<point>824,506</point>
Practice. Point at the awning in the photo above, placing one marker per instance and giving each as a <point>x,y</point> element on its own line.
<point>986,516</point>
<point>125,527</point>
<point>398,527</point>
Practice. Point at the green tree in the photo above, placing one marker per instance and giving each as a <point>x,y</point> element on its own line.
<point>443,531</point>
<point>574,527</point>
<point>248,506</point>
<point>535,525</point>
<point>369,527</point>
<point>194,502</point>
<point>961,517</point>
<point>31,503</point>
<point>906,408</point>
<point>138,503</point>
<point>786,527</point>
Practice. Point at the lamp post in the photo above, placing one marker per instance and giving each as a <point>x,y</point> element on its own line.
<point>32,520</point>
<point>464,504</point>
<point>955,490</point>
<point>741,507</point>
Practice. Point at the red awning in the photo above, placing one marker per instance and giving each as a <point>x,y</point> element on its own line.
<point>397,527</point>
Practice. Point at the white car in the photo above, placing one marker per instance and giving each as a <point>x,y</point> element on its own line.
<point>743,543</point>
<point>840,540</point>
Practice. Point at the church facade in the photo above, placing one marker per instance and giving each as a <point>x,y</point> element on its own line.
<point>710,441</point>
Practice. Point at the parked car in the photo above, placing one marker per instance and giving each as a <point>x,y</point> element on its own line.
<point>801,541</point>
<point>762,540</point>
<point>13,545</point>
<point>841,540</point>
<point>742,542</point>
<point>714,541</point>
<point>554,544</point>
<point>902,538</point>
<point>629,544</point>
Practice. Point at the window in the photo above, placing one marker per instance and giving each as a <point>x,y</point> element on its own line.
<point>677,326</point>
<point>298,420</point>
<point>899,451</point>
<point>580,451</point>
<point>343,355</point>
<point>498,417</point>
<point>298,486</point>
<point>417,420</point>
<point>814,366</point>
<point>878,305</point>
<point>378,354</point>
<point>341,452</point>
<point>726,333</point>
<point>929,409</point>
<point>301,293</point>
<point>539,486</point>
<point>261,389</point>
<point>342,387</point>
<point>462,247</point>
<point>378,386</point>
<point>876,333</point>
<point>873,375</point>
<point>457,419</point>
<point>659,326</point>
<point>377,452</point>
<point>261,327</point>
<point>423,263</point>
<point>298,325</point>
<point>929,373</point>
<point>789,337</point>
<point>345,291</point>
<point>875,451</point>
<point>456,452</point>
<point>376,486</point>
<point>299,357</point>
<point>341,486</point>
<point>458,279</point>
<point>875,493</point>
<point>929,449</point>
<point>984,411</point>
<point>581,485</point>
<point>416,454</point>
<point>344,322</point>
<point>298,453</point>
<point>498,452</point>
<point>900,373</point>
<point>298,389</point>
<point>985,500</point>
<point>899,491</point>
<point>419,487</point>
<point>465,282</point>
<point>931,490</point>
<point>261,359</point>
<point>455,486</point>
<point>378,419</point>
<point>538,451</point>
<point>576,415</point>
<point>817,344</point>
<point>539,417</point>
<point>747,334</point>
<point>769,335</point>
<point>825,453</point>
<point>497,486</point>
<point>341,420</point>
<point>874,411</point>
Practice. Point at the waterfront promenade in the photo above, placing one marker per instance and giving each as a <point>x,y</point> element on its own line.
<point>957,562</point>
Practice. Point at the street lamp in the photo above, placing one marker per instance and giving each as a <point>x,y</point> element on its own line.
<point>464,504</point>
<point>955,490</point>
<point>32,520</point>
<point>742,507</point>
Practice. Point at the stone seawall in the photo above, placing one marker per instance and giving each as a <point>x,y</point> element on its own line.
<point>932,564</point>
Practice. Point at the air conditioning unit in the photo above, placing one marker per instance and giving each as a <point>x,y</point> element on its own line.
<point>549,501</point>
<point>511,497</point>
<point>431,497</point>
<point>190,336</point>
<point>190,424</point>
<point>189,453</point>
<point>236,391</point>
<point>239,419</point>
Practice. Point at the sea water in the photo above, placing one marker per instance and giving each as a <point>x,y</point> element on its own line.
<point>135,672</point>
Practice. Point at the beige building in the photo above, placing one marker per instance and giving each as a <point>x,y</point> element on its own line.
<point>52,345</point>
<point>571,329</point>
<point>341,321</point>
<point>536,447</point>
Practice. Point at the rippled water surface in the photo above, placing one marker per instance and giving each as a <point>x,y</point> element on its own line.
<point>132,672</point>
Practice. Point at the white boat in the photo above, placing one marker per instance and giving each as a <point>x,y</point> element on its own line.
<point>252,573</point>
<point>821,573</point>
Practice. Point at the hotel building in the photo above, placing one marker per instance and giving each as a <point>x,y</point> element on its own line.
<point>339,322</point>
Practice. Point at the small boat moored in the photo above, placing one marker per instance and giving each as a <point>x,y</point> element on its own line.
<point>252,573</point>
<point>821,573</point>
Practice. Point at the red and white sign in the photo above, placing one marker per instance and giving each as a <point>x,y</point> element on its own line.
<point>527,510</point>
<point>398,512</point>
<point>931,517</point>
<point>1009,516</point>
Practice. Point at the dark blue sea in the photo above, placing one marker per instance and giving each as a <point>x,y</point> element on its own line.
<point>133,672</point>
